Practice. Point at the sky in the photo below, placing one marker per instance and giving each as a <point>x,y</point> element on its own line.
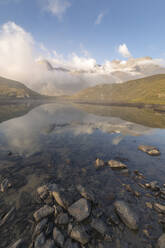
<point>93,30</point>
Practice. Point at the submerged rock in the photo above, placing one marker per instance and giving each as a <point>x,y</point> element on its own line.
<point>116,164</point>
<point>87,194</point>
<point>126,214</point>
<point>40,241</point>
<point>159,208</point>
<point>79,234</point>
<point>80,210</point>
<point>150,150</point>
<point>99,226</point>
<point>18,244</point>
<point>58,237</point>
<point>40,226</point>
<point>43,212</point>
<point>161,241</point>
<point>62,219</point>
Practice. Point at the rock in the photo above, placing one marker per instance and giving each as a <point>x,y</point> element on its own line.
<point>99,226</point>
<point>161,241</point>
<point>70,244</point>
<point>18,244</point>
<point>43,213</point>
<point>10,215</point>
<point>40,241</point>
<point>150,150</point>
<point>126,214</point>
<point>40,226</point>
<point>49,244</point>
<point>87,194</point>
<point>80,210</point>
<point>43,192</point>
<point>58,237</point>
<point>154,185</point>
<point>160,208</point>
<point>5,185</point>
<point>61,198</point>
<point>99,163</point>
<point>79,234</point>
<point>49,228</point>
<point>149,205</point>
<point>116,164</point>
<point>62,219</point>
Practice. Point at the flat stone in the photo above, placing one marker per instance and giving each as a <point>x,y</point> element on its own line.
<point>43,213</point>
<point>58,237</point>
<point>126,214</point>
<point>150,150</point>
<point>159,208</point>
<point>40,241</point>
<point>79,234</point>
<point>17,244</point>
<point>114,164</point>
<point>80,210</point>
<point>99,226</point>
<point>161,241</point>
<point>62,219</point>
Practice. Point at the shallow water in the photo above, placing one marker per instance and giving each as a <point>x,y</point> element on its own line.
<point>59,143</point>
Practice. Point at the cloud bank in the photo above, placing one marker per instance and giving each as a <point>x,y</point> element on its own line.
<point>23,59</point>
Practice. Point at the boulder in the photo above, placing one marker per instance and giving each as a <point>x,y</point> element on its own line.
<point>43,213</point>
<point>161,241</point>
<point>58,237</point>
<point>79,234</point>
<point>129,218</point>
<point>80,210</point>
<point>150,150</point>
<point>114,164</point>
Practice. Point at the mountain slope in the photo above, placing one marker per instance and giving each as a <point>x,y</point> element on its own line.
<point>13,89</point>
<point>149,90</point>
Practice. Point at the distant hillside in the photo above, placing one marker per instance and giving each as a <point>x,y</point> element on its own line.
<point>149,90</point>
<point>13,89</point>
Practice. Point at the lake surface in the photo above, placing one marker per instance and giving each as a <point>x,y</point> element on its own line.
<point>59,142</point>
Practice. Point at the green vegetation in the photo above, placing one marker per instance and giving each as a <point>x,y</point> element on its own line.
<point>149,90</point>
<point>13,89</point>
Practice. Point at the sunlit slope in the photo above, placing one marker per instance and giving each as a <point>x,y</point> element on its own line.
<point>13,89</point>
<point>149,90</point>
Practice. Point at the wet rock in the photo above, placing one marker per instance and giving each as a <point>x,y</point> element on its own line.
<point>159,208</point>
<point>99,163</point>
<point>49,228</point>
<point>61,198</point>
<point>126,214</point>
<point>5,185</point>
<point>79,234</point>
<point>161,241</point>
<point>114,164</point>
<point>99,226</point>
<point>62,219</point>
<point>70,244</point>
<point>43,192</point>
<point>40,241</point>
<point>43,213</point>
<point>58,237</point>
<point>87,194</point>
<point>80,210</point>
<point>18,244</point>
<point>10,215</point>
<point>49,244</point>
<point>150,150</point>
<point>40,226</point>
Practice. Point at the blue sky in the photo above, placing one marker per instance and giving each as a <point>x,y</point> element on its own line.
<point>139,24</point>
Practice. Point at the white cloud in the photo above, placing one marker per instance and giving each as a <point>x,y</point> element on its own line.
<point>99,18</point>
<point>123,50</point>
<point>56,7</point>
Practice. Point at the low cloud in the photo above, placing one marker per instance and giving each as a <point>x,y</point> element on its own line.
<point>99,18</point>
<point>56,7</point>
<point>123,50</point>
<point>48,72</point>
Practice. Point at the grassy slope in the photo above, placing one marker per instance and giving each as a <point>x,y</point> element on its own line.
<point>149,90</point>
<point>13,89</point>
